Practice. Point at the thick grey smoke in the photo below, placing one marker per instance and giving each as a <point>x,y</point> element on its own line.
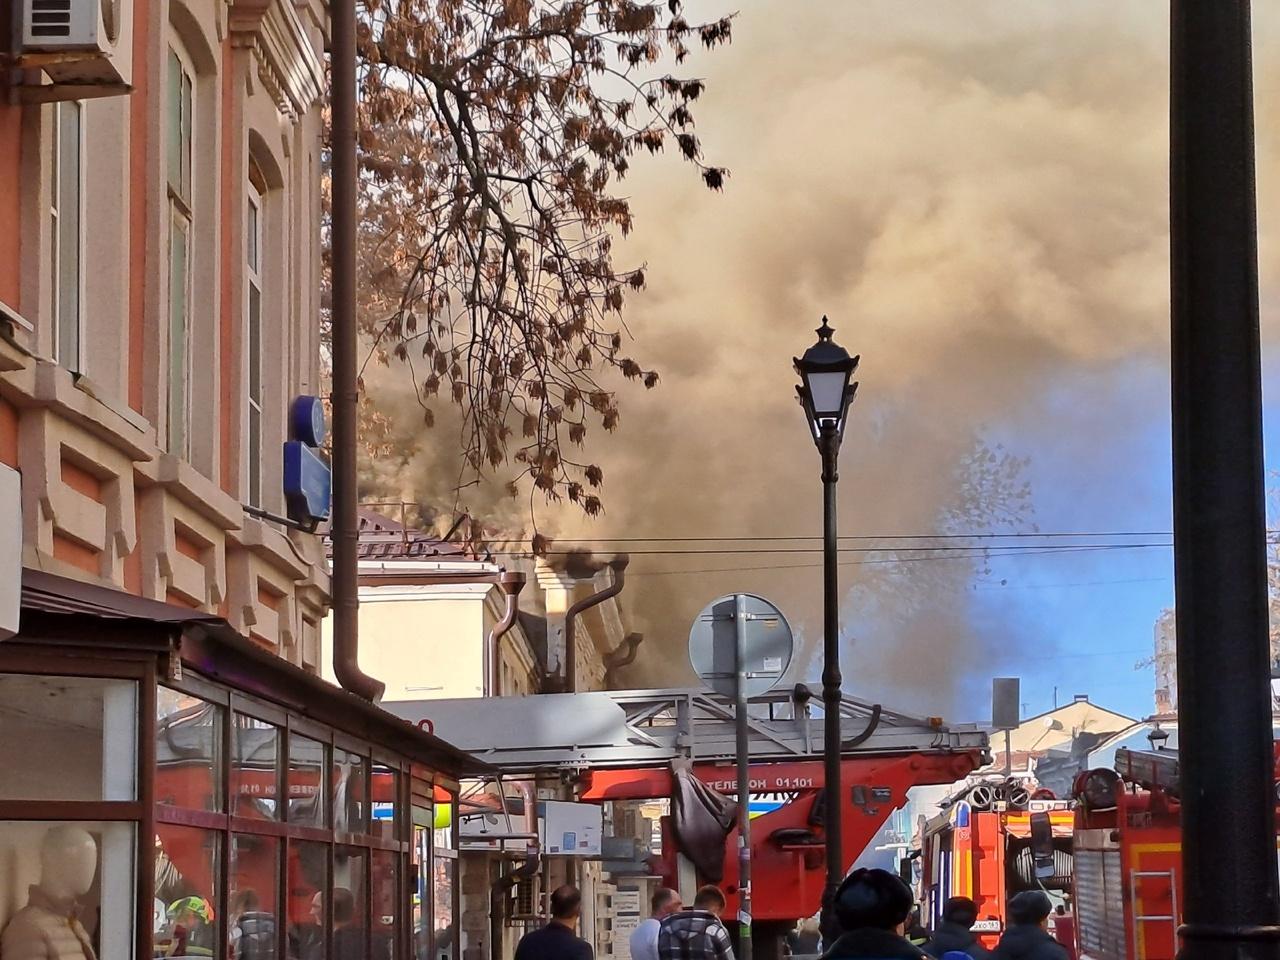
<point>976,194</point>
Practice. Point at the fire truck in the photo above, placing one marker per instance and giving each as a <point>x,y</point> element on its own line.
<point>992,840</point>
<point>1128,858</point>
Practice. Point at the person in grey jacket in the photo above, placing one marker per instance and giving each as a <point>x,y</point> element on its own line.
<point>955,932</point>
<point>1027,937</point>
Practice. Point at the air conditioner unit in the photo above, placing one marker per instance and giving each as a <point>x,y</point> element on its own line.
<point>82,43</point>
<point>524,899</point>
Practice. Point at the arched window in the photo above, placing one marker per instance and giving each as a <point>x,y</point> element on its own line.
<point>179,151</point>
<point>254,233</point>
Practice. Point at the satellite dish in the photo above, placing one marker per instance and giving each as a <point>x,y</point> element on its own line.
<point>767,641</point>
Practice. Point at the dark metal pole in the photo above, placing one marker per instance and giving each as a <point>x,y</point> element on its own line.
<point>744,775</point>
<point>343,529</point>
<point>1219,519</point>
<point>829,444</point>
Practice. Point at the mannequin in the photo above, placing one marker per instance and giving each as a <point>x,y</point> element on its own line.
<point>47,928</point>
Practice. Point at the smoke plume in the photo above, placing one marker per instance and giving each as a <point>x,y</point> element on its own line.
<point>976,194</point>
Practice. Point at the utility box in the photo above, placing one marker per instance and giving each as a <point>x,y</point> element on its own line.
<point>570,829</point>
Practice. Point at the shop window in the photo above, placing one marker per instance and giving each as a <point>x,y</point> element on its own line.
<point>66,215</point>
<point>67,883</point>
<point>444,871</point>
<point>188,751</point>
<point>308,793</point>
<point>252,921</point>
<point>349,911</point>
<point>307,882</point>
<point>422,881</point>
<point>255,778</point>
<point>68,738</point>
<point>384,895</point>
<point>350,787</point>
<point>385,790</point>
<point>188,878</point>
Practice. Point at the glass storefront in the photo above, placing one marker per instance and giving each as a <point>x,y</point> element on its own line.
<point>258,834</point>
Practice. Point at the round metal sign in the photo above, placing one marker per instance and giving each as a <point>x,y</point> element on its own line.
<point>767,643</point>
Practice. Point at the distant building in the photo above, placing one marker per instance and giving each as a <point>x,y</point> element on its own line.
<point>1165,661</point>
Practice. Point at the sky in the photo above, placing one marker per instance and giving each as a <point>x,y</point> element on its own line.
<point>975,192</point>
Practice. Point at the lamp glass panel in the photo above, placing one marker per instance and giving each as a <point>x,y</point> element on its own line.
<point>827,391</point>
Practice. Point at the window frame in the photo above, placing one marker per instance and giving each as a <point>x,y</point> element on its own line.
<point>181,220</point>
<point>254,388</point>
<point>57,223</point>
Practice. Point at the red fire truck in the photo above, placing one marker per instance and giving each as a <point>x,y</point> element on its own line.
<point>1128,858</point>
<point>992,840</point>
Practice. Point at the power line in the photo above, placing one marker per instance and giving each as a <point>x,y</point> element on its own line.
<point>1011,549</point>
<point>878,536</point>
<point>986,555</point>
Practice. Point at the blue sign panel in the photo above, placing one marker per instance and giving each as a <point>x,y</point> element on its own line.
<point>307,483</point>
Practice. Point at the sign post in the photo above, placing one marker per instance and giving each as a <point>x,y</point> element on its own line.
<point>751,636</point>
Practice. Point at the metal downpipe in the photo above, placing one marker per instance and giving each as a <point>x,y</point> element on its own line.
<point>511,583</point>
<point>619,566</point>
<point>343,527</point>
<point>528,867</point>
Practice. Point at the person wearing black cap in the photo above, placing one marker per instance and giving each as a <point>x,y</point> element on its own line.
<point>871,908</point>
<point>1027,938</point>
<point>955,932</point>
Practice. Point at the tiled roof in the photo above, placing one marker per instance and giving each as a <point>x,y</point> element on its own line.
<point>382,538</point>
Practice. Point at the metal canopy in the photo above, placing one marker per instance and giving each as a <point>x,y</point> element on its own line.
<point>650,728</point>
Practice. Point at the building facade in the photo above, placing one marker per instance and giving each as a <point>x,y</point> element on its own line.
<point>178,780</point>
<point>427,608</point>
<point>159,310</point>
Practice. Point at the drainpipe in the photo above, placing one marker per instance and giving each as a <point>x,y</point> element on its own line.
<point>510,583</point>
<point>527,868</point>
<point>619,565</point>
<point>343,529</point>
<point>623,655</point>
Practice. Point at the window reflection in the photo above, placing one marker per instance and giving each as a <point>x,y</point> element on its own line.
<point>254,776</point>
<point>445,871</point>
<point>350,785</point>
<point>188,751</point>
<point>385,788</point>
<point>384,913</point>
<point>307,793</point>
<point>307,881</point>
<point>350,913</point>
<point>255,873</point>
<point>422,880</point>
<point>90,724</point>
<point>187,880</point>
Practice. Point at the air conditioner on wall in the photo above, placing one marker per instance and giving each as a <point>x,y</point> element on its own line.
<point>79,43</point>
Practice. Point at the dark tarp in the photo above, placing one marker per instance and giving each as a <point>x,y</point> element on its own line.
<point>701,819</point>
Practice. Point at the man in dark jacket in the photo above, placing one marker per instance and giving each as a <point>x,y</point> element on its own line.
<point>871,908</point>
<point>1027,938</point>
<point>558,940</point>
<point>955,932</point>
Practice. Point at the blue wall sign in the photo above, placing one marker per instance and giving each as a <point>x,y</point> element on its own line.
<point>308,481</point>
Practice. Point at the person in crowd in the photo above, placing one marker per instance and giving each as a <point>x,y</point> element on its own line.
<point>955,932</point>
<point>871,909</point>
<point>805,938</point>
<point>348,932</point>
<point>644,939</point>
<point>559,939</point>
<point>1027,937</point>
<point>916,931</point>
<point>253,936</point>
<point>696,934</point>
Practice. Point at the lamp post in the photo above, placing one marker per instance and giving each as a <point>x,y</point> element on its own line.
<point>825,393</point>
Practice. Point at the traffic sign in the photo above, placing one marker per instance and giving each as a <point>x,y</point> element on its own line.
<point>768,644</point>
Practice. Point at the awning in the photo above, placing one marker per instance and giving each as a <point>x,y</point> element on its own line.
<point>68,610</point>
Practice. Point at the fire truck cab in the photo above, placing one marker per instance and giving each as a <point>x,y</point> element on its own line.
<point>1128,858</point>
<point>993,841</point>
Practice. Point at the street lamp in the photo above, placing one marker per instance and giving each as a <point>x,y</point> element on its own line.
<point>825,393</point>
